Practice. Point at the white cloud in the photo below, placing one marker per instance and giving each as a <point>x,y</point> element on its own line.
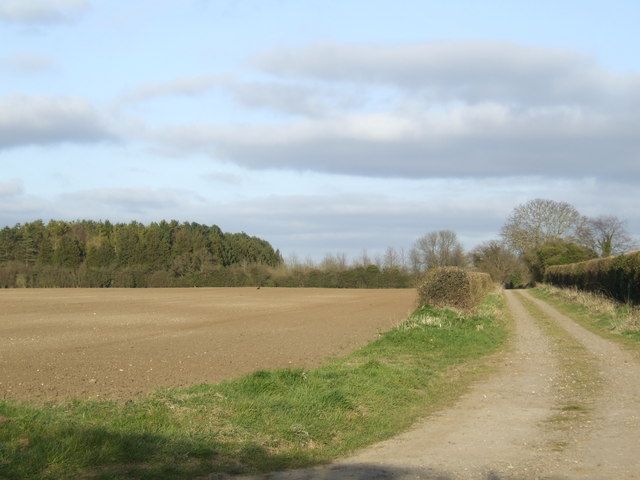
<point>223,177</point>
<point>431,110</point>
<point>185,86</point>
<point>480,140</point>
<point>460,71</point>
<point>11,188</point>
<point>27,63</point>
<point>294,98</point>
<point>41,11</point>
<point>288,98</point>
<point>130,201</point>
<point>373,215</point>
<point>41,120</point>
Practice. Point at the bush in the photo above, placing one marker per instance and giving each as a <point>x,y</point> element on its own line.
<point>503,265</point>
<point>555,252</point>
<point>453,287</point>
<point>616,277</point>
<point>8,273</point>
<point>50,277</point>
<point>518,279</point>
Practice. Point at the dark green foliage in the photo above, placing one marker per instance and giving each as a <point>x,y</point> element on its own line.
<point>164,254</point>
<point>453,287</point>
<point>45,253</point>
<point>518,279</point>
<point>100,254</point>
<point>617,277</point>
<point>68,253</point>
<point>555,252</point>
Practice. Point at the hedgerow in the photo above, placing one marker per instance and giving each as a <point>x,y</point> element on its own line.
<point>617,277</point>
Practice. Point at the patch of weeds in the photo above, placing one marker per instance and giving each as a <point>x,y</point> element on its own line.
<point>558,446</point>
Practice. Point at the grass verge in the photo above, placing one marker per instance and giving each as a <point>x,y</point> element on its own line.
<point>576,385</point>
<point>265,421</point>
<point>606,317</point>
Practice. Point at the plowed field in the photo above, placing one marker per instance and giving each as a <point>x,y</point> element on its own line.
<point>119,343</point>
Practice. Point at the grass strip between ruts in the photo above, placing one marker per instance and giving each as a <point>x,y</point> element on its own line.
<point>576,384</point>
<point>265,421</point>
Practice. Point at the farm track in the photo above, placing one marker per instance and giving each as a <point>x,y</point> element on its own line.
<point>57,344</point>
<point>506,427</point>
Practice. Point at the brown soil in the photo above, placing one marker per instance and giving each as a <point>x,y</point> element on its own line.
<point>118,343</point>
<point>503,428</point>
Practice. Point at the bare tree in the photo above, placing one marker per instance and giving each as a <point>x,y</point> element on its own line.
<point>437,249</point>
<point>606,235</point>
<point>391,258</point>
<point>537,221</point>
<point>403,258</point>
<point>341,260</point>
<point>363,260</point>
<point>337,262</point>
<point>502,264</point>
<point>293,261</point>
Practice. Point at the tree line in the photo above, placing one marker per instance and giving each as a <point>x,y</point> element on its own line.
<point>89,253</point>
<point>172,254</point>
<point>541,233</point>
<point>537,234</point>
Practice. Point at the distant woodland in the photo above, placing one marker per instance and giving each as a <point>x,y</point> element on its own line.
<point>164,254</point>
<point>102,254</point>
<point>538,234</point>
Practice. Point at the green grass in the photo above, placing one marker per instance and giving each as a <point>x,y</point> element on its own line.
<point>608,318</point>
<point>265,421</point>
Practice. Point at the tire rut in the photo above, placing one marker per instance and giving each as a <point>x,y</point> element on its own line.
<point>612,450</point>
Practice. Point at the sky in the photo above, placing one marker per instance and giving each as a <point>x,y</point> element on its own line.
<point>319,125</point>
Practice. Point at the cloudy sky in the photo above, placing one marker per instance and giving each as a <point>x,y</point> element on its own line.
<point>319,125</point>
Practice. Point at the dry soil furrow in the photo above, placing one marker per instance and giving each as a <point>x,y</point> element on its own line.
<point>613,449</point>
<point>117,343</point>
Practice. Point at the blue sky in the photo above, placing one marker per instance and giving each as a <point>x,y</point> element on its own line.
<point>322,126</point>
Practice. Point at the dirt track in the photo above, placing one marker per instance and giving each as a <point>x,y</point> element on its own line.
<point>118,343</point>
<point>507,426</point>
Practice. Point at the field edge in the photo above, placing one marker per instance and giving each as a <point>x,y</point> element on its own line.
<point>265,421</point>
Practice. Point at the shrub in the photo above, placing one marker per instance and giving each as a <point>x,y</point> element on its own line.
<point>502,264</point>
<point>8,273</point>
<point>159,279</point>
<point>14,274</point>
<point>617,277</point>
<point>555,252</point>
<point>453,287</point>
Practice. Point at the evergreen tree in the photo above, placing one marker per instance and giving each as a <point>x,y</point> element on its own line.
<point>68,253</point>
<point>170,249</point>
<point>45,255</point>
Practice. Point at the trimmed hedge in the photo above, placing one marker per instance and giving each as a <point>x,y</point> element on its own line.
<point>454,287</point>
<point>617,277</point>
